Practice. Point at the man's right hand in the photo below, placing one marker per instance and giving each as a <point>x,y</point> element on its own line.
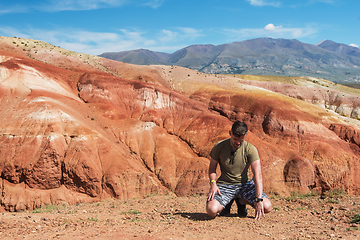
<point>213,189</point>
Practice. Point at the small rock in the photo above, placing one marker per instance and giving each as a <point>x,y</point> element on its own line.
<point>344,208</point>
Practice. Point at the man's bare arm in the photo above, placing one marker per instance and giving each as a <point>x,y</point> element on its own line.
<point>212,177</point>
<point>259,206</point>
<point>256,170</point>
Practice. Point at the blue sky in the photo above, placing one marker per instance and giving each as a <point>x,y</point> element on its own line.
<point>98,26</point>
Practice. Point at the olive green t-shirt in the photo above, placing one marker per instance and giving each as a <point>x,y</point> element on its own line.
<point>234,165</point>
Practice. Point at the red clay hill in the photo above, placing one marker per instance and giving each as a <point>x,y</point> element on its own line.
<point>79,128</point>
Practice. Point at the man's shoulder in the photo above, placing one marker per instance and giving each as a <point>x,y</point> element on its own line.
<point>252,151</point>
<point>249,145</point>
<point>220,145</point>
<point>248,148</point>
<point>222,142</point>
<point>218,148</point>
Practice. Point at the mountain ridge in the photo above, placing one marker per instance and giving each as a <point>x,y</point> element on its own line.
<point>261,56</point>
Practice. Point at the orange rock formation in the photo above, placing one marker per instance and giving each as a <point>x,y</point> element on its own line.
<point>81,128</point>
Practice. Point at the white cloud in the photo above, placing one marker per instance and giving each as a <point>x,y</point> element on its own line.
<point>12,9</point>
<point>180,34</point>
<point>166,40</point>
<point>190,32</point>
<point>168,36</point>
<point>154,3</point>
<point>76,5</point>
<point>99,42</point>
<point>271,27</point>
<point>13,32</point>
<point>354,45</point>
<point>323,1</point>
<point>84,41</point>
<point>261,3</point>
<point>271,31</point>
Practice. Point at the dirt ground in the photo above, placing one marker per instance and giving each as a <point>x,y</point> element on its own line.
<point>171,217</point>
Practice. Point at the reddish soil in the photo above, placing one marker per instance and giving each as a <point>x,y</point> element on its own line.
<point>170,217</point>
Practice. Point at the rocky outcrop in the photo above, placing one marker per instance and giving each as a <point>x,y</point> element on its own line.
<point>344,104</point>
<point>72,132</point>
<point>304,154</point>
<point>103,137</point>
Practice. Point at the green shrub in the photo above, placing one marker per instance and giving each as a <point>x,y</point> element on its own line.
<point>355,219</point>
<point>132,212</point>
<point>331,200</point>
<point>46,208</point>
<point>93,219</point>
<point>338,192</point>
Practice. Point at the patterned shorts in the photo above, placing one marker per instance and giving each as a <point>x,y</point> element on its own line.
<point>245,191</point>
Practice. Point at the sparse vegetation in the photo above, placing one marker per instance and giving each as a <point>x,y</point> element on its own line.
<point>299,80</point>
<point>46,208</point>
<point>132,212</point>
<point>175,216</point>
<point>352,229</point>
<point>295,195</point>
<point>339,192</point>
<point>355,219</point>
<point>93,219</point>
<point>331,200</point>
<point>154,194</point>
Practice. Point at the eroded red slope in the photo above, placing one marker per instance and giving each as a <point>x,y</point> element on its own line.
<point>71,132</point>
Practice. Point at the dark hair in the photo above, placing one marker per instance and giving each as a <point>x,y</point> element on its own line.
<point>239,128</point>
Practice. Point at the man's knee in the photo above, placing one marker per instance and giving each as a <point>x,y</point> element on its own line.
<point>213,207</point>
<point>211,212</point>
<point>267,205</point>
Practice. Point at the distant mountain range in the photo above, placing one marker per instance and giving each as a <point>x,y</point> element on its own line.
<point>261,56</point>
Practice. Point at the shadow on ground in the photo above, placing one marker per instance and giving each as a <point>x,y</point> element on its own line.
<point>201,216</point>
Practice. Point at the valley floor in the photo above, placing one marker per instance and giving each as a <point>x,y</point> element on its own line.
<point>171,217</point>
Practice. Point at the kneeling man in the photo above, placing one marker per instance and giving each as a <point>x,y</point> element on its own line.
<point>236,156</point>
